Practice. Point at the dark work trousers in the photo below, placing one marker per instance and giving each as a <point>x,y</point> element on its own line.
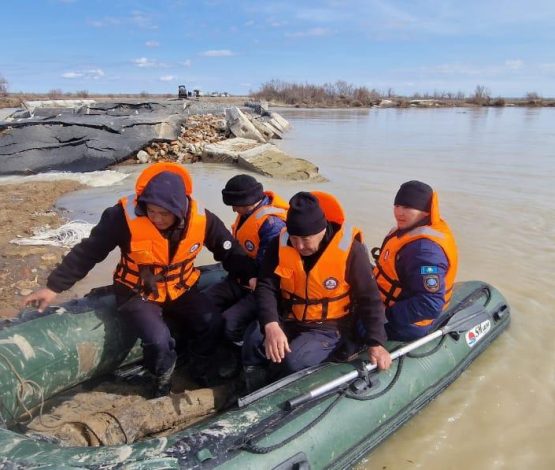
<point>192,313</point>
<point>310,344</point>
<point>236,305</point>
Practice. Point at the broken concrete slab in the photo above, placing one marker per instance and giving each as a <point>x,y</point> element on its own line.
<point>228,151</point>
<point>265,159</point>
<point>271,161</point>
<point>279,120</point>
<point>240,126</point>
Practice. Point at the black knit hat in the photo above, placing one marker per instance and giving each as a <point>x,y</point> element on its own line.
<point>415,194</point>
<point>242,190</point>
<point>305,217</point>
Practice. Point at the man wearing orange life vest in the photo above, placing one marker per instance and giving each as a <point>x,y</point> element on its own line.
<point>312,279</point>
<point>416,264</point>
<point>160,229</point>
<point>260,218</point>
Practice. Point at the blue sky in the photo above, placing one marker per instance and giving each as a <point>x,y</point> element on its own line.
<point>409,46</point>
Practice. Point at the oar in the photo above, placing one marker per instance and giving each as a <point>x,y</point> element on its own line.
<point>463,320</point>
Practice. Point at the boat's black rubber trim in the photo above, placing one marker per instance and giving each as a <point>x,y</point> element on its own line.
<point>251,446</point>
<point>416,355</point>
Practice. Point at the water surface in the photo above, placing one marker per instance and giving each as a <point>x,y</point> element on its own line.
<point>494,171</point>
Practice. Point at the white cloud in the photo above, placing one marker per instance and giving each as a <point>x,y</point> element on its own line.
<point>548,67</point>
<point>249,23</point>
<point>152,44</point>
<point>217,53</point>
<point>93,74</point>
<point>514,64</point>
<point>313,32</point>
<point>168,78</point>
<point>72,75</point>
<point>142,20</point>
<point>144,62</point>
<point>186,63</point>
<point>104,22</point>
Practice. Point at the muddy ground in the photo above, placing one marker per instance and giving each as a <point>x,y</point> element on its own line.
<point>24,207</point>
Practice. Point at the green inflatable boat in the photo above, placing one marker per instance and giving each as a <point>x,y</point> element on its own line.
<point>327,416</point>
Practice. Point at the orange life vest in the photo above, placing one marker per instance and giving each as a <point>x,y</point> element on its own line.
<point>247,234</point>
<point>385,272</point>
<point>149,249</point>
<point>322,293</point>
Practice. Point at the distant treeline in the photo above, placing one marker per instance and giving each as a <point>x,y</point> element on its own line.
<point>343,94</point>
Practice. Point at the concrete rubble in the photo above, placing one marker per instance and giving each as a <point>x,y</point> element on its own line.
<point>82,135</point>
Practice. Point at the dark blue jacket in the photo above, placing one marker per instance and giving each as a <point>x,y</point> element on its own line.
<point>269,230</point>
<point>414,261</point>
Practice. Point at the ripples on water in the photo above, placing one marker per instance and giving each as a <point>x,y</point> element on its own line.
<point>494,171</point>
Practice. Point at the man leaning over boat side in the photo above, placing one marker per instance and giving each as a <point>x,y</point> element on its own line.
<point>160,230</point>
<point>260,218</point>
<point>416,264</point>
<point>311,277</point>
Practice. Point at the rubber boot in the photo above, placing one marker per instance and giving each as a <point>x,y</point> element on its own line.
<point>198,369</point>
<point>230,364</point>
<point>255,377</point>
<point>163,383</point>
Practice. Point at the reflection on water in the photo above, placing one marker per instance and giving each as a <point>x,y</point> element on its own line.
<point>493,169</point>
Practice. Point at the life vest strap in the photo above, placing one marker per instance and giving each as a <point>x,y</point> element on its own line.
<point>389,294</point>
<point>296,300</point>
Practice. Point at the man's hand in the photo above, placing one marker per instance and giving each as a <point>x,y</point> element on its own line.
<point>275,344</point>
<point>40,299</point>
<point>378,355</point>
<point>252,283</point>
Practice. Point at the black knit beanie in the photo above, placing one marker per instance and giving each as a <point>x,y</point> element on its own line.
<point>414,194</point>
<point>242,190</point>
<point>305,217</point>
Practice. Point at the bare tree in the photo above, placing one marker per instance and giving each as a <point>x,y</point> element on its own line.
<point>3,86</point>
<point>482,95</point>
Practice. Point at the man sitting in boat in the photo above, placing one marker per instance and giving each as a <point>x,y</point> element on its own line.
<point>260,218</point>
<point>311,277</point>
<point>160,230</point>
<point>416,264</point>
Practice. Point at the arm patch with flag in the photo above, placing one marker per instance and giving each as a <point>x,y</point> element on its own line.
<point>429,270</point>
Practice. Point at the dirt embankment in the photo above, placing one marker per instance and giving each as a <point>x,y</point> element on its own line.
<point>23,269</point>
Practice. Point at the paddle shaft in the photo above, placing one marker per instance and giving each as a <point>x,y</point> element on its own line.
<point>333,384</point>
<point>462,320</point>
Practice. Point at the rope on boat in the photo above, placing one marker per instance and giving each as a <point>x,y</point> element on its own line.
<point>416,355</point>
<point>251,446</point>
<point>21,389</point>
<point>68,235</point>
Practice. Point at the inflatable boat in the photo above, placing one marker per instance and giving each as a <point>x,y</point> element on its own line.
<point>328,416</point>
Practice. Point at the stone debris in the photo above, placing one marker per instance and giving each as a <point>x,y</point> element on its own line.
<point>241,138</point>
<point>84,135</point>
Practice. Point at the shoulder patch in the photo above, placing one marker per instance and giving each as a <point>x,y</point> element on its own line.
<point>431,283</point>
<point>429,269</point>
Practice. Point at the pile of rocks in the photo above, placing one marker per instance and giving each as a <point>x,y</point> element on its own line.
<point>198,131</point>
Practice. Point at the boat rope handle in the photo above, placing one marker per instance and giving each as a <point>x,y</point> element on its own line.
<point>251,446</point>
<point>416,355</point>
<point>21,389</point>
